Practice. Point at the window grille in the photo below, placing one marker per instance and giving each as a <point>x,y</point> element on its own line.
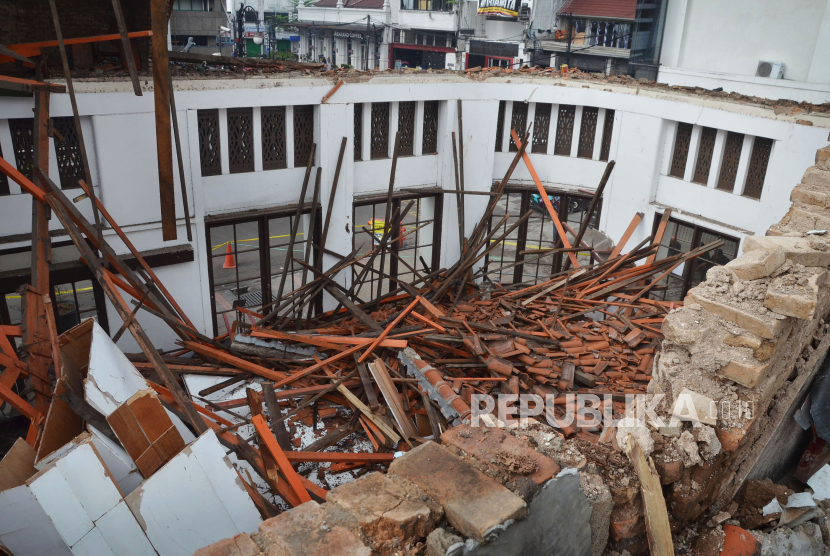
<point>430,127</point>
<point>68,153</point>
<point>358,131</point>
<point>500,125</point>
<point>731,157</point>
<point>587,132</point>
<point>22,130</point>
<point>681,150</point>
<point>303,134</point>
<point>518,121</point>
<point>406,127</point>
<point>208,123</point>
<point>607,131</point>
<point>240,140</point>
<point>564,130</point>
<point>705,151</point>
<point>541,128</point>
<point>273,138</point>
<point>380,130</point>
<point>757,171</point>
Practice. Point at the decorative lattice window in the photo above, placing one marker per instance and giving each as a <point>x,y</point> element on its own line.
<point>303,134</point>
<point>430,127</point>
<point>757,170</point>
<point>518,121</point>
<point>607,131</point>
<point>273,138</point>
<point>22,130</point>
<point>731,157</point>
<point>500,125</point>
<point>681,150</point>
<point>564,129</point>
<point>704,155</point>
<point>4,181</point>
<point>380,130</point>
<point>358,131</point>
<point>208,123</point>
<point>587,132</point>
<point>241,140</point>
<point>541,128</point>
<point>406,127</point>
<point>68,153</point>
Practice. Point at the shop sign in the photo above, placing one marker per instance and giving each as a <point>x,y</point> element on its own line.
<point>498,8</point>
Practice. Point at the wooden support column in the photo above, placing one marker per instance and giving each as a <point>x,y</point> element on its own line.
<point>161,96</point>
<point>35,326</point>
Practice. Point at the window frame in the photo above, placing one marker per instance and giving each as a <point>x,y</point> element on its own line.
<point>557,259</point>
<point>261,219</point>
<point>399,199</point>
<point>691,266</point>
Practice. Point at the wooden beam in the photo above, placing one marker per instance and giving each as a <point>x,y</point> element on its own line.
<point>35,48</point>
<point>269,442</point>
<point>657,517</point>
<point>388,329</point>
<point>586,219</point>
<point>224,357</point>
<point>126,48</point>
<point>29,85</point>
<point>626,236</point>
<point>338,457</point>
<point>161,96</point>
<point>332,91</point>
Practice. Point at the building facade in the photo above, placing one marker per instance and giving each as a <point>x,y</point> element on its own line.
<point>201,21</point>
<point>725,169</point>
<point>784,53</point>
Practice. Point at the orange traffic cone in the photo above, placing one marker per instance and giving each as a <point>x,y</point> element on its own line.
<point>230,262</point>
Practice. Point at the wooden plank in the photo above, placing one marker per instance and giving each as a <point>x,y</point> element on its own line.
<point>126,48</point>
<point>270,443</point>
<point>280,430</point>
<point>332,91</point>
<point>325,341</point>
<point>586,219</point>
<point>657,517</point>
<point>626,236</point>
<point>338,457</point>
<point>161,96</point>
<point>224,357</point>
<point>544,195</point>
<point>29,85</point>
<point>17,466</point>
<point>35,48</point>
<point>317,366</point>
<point>658,236</point>
<point>392,435</point>
<point>388,329</point>
<point>393,400</point>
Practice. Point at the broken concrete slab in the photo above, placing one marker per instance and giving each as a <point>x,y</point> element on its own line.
<point>443,543</point>
<point>504,451</point>
<point>765,325</point>
<point>800,250</point>
<point>474,504</point>
<point>805,540</point>
<point>818,196</point>
<point>240,545</point>
<point>558,522</point>
<point>304,531</point>
<point>385,513</point>
<point>752,265</point>
<point>691,406</point>
<point>796,295</point>
<point>762,349</point>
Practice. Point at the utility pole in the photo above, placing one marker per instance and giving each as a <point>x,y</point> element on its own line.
<point>570,38</point>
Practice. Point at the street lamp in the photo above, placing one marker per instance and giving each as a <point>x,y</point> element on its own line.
<point>240,27</point>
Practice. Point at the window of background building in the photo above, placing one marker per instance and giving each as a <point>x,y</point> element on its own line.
<point>681,237</point>
<point>409,256</point>
<point>535,234</point>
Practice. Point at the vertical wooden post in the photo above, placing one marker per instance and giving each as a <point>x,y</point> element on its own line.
<point>161,96</point>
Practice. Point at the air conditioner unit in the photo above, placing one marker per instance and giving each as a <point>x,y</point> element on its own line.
<point>524,13</point>
<point>773,70</point>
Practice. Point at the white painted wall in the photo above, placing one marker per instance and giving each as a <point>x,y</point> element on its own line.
<point>121,132</point>
<point>719,44</point>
